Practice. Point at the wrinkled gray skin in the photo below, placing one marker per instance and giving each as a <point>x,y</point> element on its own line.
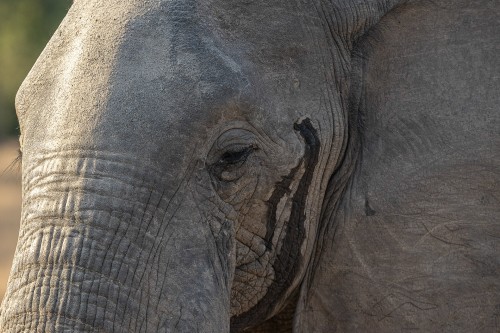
<point>207,165</point>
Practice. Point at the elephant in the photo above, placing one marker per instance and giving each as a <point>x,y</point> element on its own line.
<point>261,166</point>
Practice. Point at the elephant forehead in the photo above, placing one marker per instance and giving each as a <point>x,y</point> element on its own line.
<point>172,81</point>
<point>115,73</point>
<point>194,55</point>
<point>135,75</point>
<point>169,62</point>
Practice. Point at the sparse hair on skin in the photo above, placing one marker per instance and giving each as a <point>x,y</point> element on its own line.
<point>14,166</point>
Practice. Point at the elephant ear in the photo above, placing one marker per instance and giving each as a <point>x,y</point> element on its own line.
<point>413,242</point>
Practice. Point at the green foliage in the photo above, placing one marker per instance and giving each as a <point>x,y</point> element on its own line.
<point>25,28</point>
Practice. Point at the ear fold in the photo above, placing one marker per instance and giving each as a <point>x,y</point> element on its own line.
<point>403,247</point>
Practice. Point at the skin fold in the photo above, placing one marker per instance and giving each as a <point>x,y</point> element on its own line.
<point>261,166</point>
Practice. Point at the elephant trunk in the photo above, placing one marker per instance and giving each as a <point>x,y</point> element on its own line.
<point>102,252</point>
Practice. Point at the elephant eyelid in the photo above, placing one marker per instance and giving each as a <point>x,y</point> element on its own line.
<point>232,157</point>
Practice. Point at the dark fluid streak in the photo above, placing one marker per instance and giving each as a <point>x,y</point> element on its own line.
<point>287,262</point>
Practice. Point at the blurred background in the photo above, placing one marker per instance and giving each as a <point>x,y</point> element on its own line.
<point>25,28</point>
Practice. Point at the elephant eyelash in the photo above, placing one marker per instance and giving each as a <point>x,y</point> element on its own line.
<point>236,156</point>
<point>227,167</point>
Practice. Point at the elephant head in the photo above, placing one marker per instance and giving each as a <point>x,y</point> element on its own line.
<point>189,166</point>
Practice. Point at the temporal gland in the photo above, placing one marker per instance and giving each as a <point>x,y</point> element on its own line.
<point>269,258</point>
<point>259,241</point>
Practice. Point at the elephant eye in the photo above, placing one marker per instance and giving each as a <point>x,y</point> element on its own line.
<point>238,156</point>
<point>227,167</point>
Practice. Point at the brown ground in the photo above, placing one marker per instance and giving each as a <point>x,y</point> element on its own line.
<point>10,209</point>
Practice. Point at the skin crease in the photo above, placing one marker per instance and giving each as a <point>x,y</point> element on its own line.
<point>203,166</point>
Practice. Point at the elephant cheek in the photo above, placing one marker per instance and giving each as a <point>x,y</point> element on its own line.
<point>115,264</point>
